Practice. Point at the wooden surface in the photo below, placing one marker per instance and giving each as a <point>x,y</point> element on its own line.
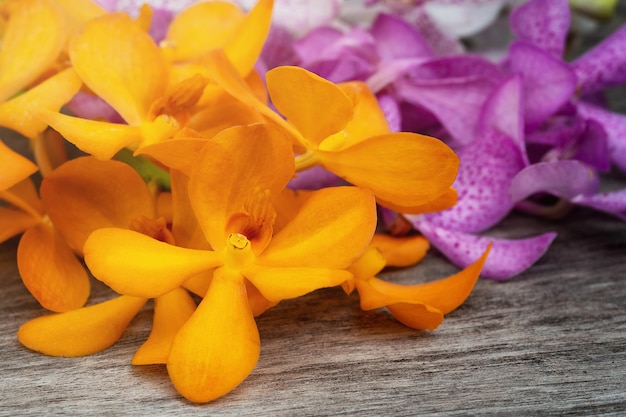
<point>552,341</point>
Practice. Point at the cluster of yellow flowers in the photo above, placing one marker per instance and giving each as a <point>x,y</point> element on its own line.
<point>227,230</point>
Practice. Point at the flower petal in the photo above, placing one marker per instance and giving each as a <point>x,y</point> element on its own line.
<point>134,264</point>
<point>614,125</point>
<point>396,38</point>
<point>15,167</point>
<point>331,229</point>
<point>14,222</point>
<point>80,332</point>
<point>86,194</point>
<point>281,283</point>
<point>416,316</point>
<point>549,83</point>
<point>100,139</point>
<point>508,257</point>
<point>315,106</point>
<point>244,46</point>
<point>602,66</point>
<point>564,178</point>
<point>31,42</point>
<point>50,270</point>
<point>403,168</point>
<point>219,345</point>
<point>202,27</point>
<point>120,63</point>
<point>543,23</point>
<point>171,312</point>
<point>611,202</point>
<point>175,153</point>
<point>487,168</point>
<point>234,165</point>
<point>400,251</point>
<point>20,113</point>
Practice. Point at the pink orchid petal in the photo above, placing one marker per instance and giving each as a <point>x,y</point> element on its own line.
<point>543,23</point>
<point>615,127</point>
<point>602,66</point>
<point>486,171</point>
<point>610,202</point>
<point>548,82</point>
<point>566,179</point>
<point>396,38</point>
<point>507,258</point>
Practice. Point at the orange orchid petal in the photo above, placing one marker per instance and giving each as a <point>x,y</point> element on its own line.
<point>403,168</point>
<point>49,150</point>
<point>199,284</point>
<point>416,316</point>
<point>100,139</point>
<point>368,119</point>
<point>225,75</point>
<point>445,294</point>
<point>443,202</point>
<point>86,194</point>
<point>15,167</point>
<point>258,303</point>
<point>315,106</point>
<point>174,153</point>
<point>171,312</point>
<point>13,222</point>
<point>78,12</point>
<point>51,271</point>
<point>134,264</point>
<point>235,165</point>
<point>222,112</point>
<point>121,63</point>
<point>282,283</point>
<point>80,332</point>
<point>219,345</point>
<point>332,228</point>
<point>244,46</point>
<point>21,112</point>
<point>23,195</point>
<point>401,251</point>
<point>287,204</point>
<point>202,27</point>
<point>32,40</point>
<point>164,207</point>
<point>185,228</point>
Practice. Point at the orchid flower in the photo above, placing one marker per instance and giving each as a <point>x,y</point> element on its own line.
<point>231,188</point>
<point>83,195</point>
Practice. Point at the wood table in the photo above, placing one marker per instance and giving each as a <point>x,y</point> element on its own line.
<point>551,341</point>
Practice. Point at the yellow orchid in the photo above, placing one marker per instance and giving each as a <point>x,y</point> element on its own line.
<point>342,128</point>
<point>81,196</point>
<point>118,61</point>
<point>420,306</point>
<point>231,188</point>
<point>33,40</point>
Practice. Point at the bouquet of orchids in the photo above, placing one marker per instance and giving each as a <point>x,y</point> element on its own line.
<point>230,160</point>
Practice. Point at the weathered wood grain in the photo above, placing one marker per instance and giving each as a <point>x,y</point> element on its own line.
<point>551,341</point>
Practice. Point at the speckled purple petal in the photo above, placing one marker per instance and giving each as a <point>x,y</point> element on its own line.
<point>507,258</point>
<point>543,23</point>
<point>503,112</point>
<point>603,66</point>
<point>337,56</point>
<point>548,82</point>
<point>565,179</point>
<point>488,166</point>
<point>485,174</point>
<point>615,127</point>
<point>396,38</point>
<point>611,202</point>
